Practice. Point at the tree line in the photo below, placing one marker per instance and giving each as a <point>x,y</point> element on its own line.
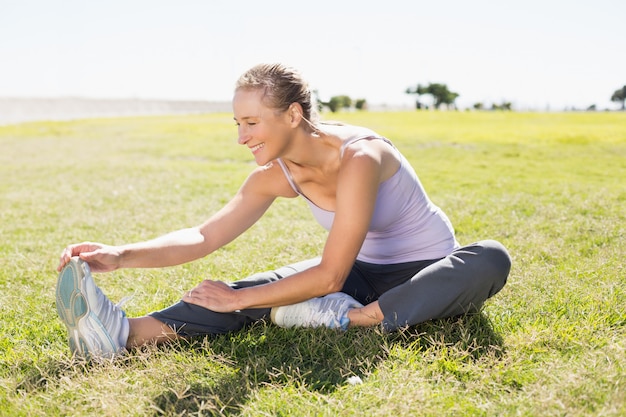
<point>441,97</point>
<point>619,96</point>
<point>337,103</point>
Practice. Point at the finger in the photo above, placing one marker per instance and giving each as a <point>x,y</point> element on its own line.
<point>69,251</point>
<point>66,255</point>
<point>73,250</point>
<point>191,297</point>
<point>88,256</point>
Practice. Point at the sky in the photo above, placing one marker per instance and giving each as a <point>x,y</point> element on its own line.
<point>536,54</point>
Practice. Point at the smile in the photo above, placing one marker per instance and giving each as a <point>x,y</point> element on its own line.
<point>255,148</point>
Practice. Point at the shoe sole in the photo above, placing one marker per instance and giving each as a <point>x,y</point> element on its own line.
<point>72,305</point>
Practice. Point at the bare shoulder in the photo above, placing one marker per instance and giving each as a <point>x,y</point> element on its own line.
<point>375,150</point>
<point>269,180</point>
<point>346,132</point>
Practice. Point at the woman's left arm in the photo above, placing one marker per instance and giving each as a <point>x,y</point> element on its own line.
<point>357,186</point>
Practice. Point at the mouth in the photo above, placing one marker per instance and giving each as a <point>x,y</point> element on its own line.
<point>256,148</point>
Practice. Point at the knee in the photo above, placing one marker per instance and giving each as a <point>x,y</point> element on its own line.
<point>498,255</point>
<point>498,262</point>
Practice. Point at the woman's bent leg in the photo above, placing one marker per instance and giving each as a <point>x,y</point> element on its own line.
<point>457,284</point>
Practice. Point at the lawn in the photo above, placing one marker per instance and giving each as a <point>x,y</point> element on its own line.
<point>550,186</point>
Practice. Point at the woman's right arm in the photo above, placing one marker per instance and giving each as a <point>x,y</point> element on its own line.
<point>254,197</point>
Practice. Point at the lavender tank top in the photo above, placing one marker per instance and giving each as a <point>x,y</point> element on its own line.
<point>406,226</point>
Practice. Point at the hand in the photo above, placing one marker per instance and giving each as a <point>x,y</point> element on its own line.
<point>101,258</point>
<point>213,295</point>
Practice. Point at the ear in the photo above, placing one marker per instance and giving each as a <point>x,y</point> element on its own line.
<point>295,114</point>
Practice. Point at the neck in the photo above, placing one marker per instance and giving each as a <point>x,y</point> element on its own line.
<point>313,149</point>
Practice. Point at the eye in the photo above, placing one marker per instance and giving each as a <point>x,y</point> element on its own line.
<point>246,123</point>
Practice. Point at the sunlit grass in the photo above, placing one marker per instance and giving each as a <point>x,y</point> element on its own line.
<point>549,186</point>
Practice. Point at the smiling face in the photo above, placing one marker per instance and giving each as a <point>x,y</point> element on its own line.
<point>264,130</point>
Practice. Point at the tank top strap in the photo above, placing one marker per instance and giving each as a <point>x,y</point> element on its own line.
<point>290,179</point>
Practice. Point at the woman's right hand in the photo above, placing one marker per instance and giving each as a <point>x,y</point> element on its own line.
<point>101,258</point>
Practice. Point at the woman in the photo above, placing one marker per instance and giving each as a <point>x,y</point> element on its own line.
<point>390,258</point>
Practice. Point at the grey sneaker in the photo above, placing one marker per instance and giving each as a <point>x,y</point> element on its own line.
<point>330,311</point>
<point>96,327</point>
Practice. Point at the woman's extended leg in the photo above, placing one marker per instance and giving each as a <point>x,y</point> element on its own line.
<point>184,320</point>
<point>147,329</point>
<point>98,328</point>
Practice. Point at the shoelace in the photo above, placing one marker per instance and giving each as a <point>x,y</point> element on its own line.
<point>125,300</point>
<point>111,314</point>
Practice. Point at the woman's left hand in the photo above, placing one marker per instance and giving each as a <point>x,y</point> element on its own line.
<point>213,295</point>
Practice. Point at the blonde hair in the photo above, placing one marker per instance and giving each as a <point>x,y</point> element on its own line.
<point>281,86</point>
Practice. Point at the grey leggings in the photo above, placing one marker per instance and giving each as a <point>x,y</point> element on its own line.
<point>408,293</point>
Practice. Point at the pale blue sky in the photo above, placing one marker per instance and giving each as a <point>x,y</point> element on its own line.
<point>534,53</point>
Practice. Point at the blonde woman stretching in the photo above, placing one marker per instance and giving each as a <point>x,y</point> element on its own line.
<point>390,258</point>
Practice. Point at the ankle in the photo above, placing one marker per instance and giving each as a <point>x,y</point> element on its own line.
<point>365,316</point>
<point>147,329</point>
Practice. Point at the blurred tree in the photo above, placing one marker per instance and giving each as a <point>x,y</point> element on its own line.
<point>619,96</point>
<point>440,93</point>
<point>418,91</point>
<point>337,102</point>
<point>360,104</point>
<point>506,105</point>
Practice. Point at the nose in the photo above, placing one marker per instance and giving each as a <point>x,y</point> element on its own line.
<point>243,136</point>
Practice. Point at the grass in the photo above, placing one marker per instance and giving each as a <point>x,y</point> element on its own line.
<point>551,343</point>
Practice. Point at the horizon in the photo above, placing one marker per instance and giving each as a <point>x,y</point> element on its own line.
<point>539,56</point>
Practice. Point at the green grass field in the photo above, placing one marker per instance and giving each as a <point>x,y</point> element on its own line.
<point>551,187</point>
